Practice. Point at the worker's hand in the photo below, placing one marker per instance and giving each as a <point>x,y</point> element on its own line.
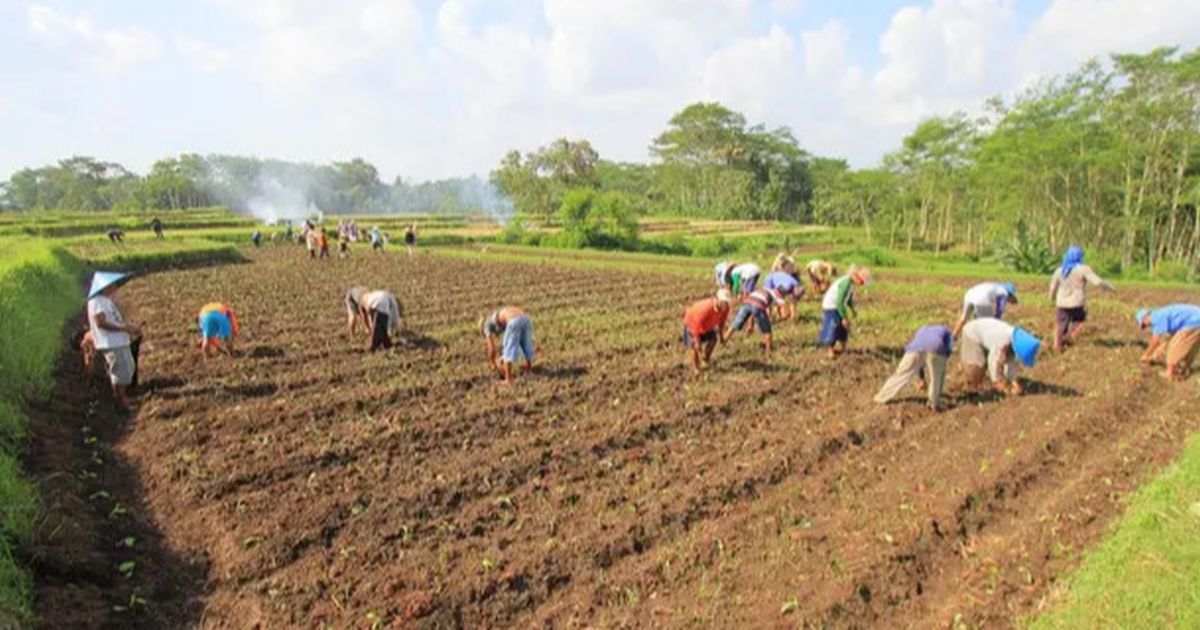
<point>1146,358</point>
<point>134,330</point>
<point>1016,388</point>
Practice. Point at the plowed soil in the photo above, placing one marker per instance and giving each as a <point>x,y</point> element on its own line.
<point>310,483</point>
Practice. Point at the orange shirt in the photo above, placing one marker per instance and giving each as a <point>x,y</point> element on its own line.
<point>323,241</point>
<point>704,316</point>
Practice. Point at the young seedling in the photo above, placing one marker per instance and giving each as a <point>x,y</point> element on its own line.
<point>126,568</point>
<point>790,606</point>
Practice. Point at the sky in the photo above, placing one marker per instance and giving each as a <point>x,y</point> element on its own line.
<point>440,88</point>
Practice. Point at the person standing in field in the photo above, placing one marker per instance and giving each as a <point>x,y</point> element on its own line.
<point>838,305</point>
<point>514,329</point>
<point>344,246</point>
<point>410,238</point>
<point>115,236</point>
<point>323,242</point>
<point>218,327</point>
<point>986,299</point>
<point>994,346</point>
<point>1175,331</point>
<point>756,305</point>
<point>256,238</point>
<point>790,290</point>
<point>310,242</point>
<point>157,226</point>
<point>703,327</point>
<point>111,335</point>
<point>381,313</point>
<point>376,239</point>
<point>820,272</point>
<point>924,359</point>
<point>1068,289</point>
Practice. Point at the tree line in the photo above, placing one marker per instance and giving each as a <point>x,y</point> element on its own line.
<point>192,181</point>
<point>1107,156</point>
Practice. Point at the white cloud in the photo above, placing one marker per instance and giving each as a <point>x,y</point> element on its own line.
<point>1072,31</point>
<point>107,50</point>
<point>202,55</point>
<point>303,42</point>
<point>756,75</point>
<point>825,50</point>
<point>947,56</point>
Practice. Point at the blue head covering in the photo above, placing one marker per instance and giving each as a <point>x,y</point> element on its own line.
<point>1141,315</point>
<point>1025,346</point>
<point>1071,259</point>
<point>101,280</point>
<point>1010,289</point>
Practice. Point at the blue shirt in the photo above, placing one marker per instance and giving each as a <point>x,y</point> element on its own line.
<point>781,281</point>
<point>936,339</point>
<point>1169,320</point>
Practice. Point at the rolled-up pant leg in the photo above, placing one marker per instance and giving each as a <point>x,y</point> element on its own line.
<point>935,376</point>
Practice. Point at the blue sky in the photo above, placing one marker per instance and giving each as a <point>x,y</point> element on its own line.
<point>436,88</point>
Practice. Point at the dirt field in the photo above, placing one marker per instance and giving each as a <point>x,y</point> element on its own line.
<point>308,483</point>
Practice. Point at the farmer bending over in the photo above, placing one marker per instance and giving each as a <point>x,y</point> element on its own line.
<point>110,334</point>
<point>380,312</point>
<point>820,272</point>
<point>745,278</point>
<point>784,263</point>
<point>723,274</point>
<point>517,330</point>
<point>703,325</point>
<point>790,290</point>
<point>995,346</point>
<point>924,359</point>
<point>838,305</point>
<point>1068,289</point>
<point>1179,322</point>
<point>986,299</point>
<point>757,305</point>
<point>354,314</point>
<point>218,327</point>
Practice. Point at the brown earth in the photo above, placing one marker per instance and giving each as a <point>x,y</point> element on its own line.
<point>309,484</point>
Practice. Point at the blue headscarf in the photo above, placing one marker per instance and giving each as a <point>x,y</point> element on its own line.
<point>1072,259</point>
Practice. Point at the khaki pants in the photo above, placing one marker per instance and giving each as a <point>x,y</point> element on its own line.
<point>1181,350</point>
<point>911,366</point>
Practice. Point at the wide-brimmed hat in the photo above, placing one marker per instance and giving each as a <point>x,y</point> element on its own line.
<point>102,280</point>
<point>1025,346</point>
<point>725,296</point>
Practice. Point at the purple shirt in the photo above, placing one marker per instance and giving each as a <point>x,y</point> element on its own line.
<point>782,281</point>
<point>936,339</point>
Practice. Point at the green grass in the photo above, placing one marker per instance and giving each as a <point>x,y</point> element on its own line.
<point>39,291</point>
<point>149,254</point>
<point>1146,573</point>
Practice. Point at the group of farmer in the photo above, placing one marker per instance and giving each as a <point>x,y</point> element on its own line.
<point>990,347</point>
<point>776,300</point>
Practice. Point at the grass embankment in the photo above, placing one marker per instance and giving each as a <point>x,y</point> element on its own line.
<point>148,254</point>
<point>39,291</point>
<point>1145,574</point>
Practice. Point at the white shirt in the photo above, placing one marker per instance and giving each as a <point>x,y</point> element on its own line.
<point>384,302</point>
<point>106,339</point>
<point>747,270</point>
<point>985,294</point>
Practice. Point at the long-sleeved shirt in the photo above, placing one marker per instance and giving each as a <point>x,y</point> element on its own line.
<point>1169,320</point>
<point>936,339</point>
<point>840,296</point>
<point>1071,292</point>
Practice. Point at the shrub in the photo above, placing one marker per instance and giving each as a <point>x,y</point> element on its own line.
<point>1026,253</point>
<point>597,220</point>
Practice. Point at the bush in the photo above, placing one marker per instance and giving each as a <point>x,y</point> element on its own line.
<point>597,220</point>
<point>713,247</point>
<point>1026,253</point>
